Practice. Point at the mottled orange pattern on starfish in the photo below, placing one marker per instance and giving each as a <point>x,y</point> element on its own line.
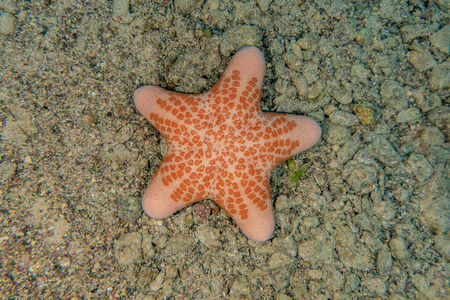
<point>221,146</point>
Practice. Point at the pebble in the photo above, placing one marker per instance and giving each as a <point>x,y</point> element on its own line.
<point>421,60</point>
<point>360,73</point>
<point>419,166</point>
<point>315,274</point>
<point>440,116</point>
<point>238,37</point>
<point>398,248</point>
<point>382,150</point>
<point>411,32</point>
<point>129,208</point>
<point>441,39</point>
<point>127,248</point>
<point>147,275</point>
<point>316,250</point>
<point>278,260</point>
<point>187,6</point>
<point>157,284</point>
<point>440,77</point>
<point>420,283</point>
<point>209,236</point>
<point>385,211</point>
<point>7,171</point>
<point>311,222</point>
<point>365,113</point>
<point>351,283</point>
<point>240,286</point>
<point>431,135</point>
<point>147,246</point>
<point>343,118</point>
<point>264,4</point>
<point>384,261</point>
<point>393,95</point>
<point>409,115</point>
<point>375,285</point>
<point>121,11</point>
<point>337,134</point>
<point>7,23</point>
<point>364,37</point>
<point>359,176</point>
<point>309,41</point>
<point>300,84</point>
<point>286,245</point>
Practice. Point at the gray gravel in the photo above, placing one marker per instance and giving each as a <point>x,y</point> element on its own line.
<point>368,219</point>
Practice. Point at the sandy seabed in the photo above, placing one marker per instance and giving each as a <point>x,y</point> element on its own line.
<point>368,219</point>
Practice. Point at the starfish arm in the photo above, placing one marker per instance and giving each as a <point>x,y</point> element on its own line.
<point>174,186</point>
<point>287,135</point>
<point>247,200</point>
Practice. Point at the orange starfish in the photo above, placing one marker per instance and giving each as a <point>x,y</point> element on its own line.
<point>221,146</point>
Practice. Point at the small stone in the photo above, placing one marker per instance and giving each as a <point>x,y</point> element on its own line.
<point>171,271</point>
<point>409,115</point>
<point>264,4</point>
<point>444,5</point>
<point>121,11</point>
<point>351,283</point>
<point>441,39</point>
<point>282,296</point>
<point>419,166</point>
<point>343,98</point>
<point>300,84</point>
<point>201,211</point>
<point>64,262</point>
<point>146,276</point>
<point>343,118</point>
<point>127,248</point>
<point>375,285</point>
<point>440,116</point>
<point>384,261</point>
<point>393,95</point>
<point>238,37</point>
<point>278,260</point>
<point>292,61</point>
<point>421,60</point>
<point>240,286</point>
<point>315,274</point>
<point>129,208</point>
<point>209,236</point>
<point>383,150</point>
<point>364,113</point>
<point>398,248</point>
<point>285,245</point>
<point>309,41</point>
<point>337,134</point>
<point>157,284</point>
<point>7,23</point>
<point>360,73</point>
<point>147,246</point>
<point>440,77</point>
<point>364,37</point>
<point>431,135</point>
<point>311,222</point>
<point>187,6</point>
<point>420,283</point>
<point>385,211</point>
<point>7,171</point>
<point>316,250</point>
<point>410,32</point>
<point>359,176</point>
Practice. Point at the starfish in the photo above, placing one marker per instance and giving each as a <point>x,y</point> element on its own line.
<point>221,146</point>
